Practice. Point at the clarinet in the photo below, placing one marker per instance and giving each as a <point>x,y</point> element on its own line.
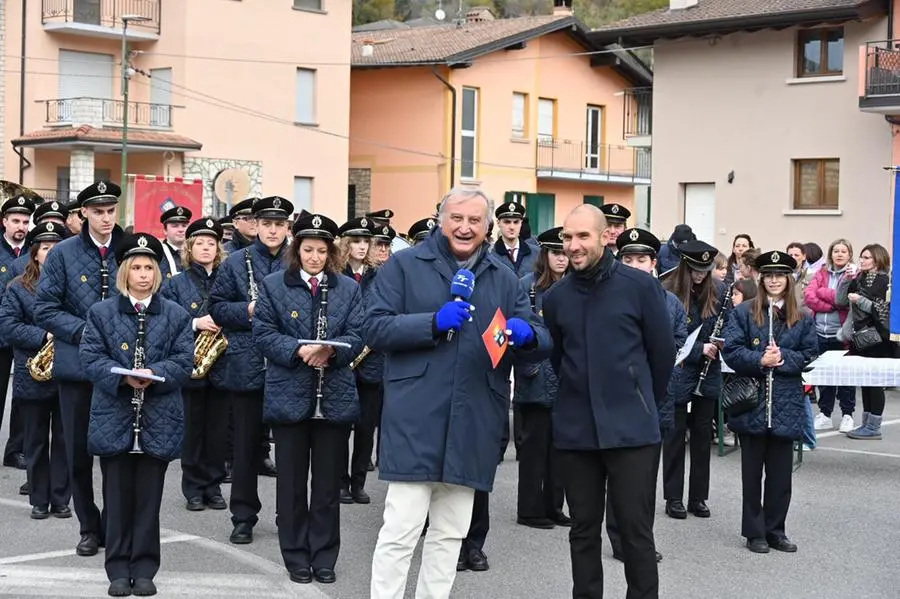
<point>532,296</point>
<point>252,290</point>
<point>104,279</point>
<point>321,335</point>
<point>137,400</point>
<point>771,373</point>
<point>717,330</point>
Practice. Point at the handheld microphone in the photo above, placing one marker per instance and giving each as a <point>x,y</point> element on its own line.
<point>461,289</point>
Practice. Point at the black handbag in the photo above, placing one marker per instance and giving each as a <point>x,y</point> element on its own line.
<point>740,394</point>
<point>865,338</point>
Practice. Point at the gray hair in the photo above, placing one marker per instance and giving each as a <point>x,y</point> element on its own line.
<point>460,194</point>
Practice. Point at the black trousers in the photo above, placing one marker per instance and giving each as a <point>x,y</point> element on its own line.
<point>45,448</point>
<point>481,523</point>
<point>873,400</point>
<point>701,417</point>
<point>309,529</point>
<point>203,449</point>
<point>16,441</point>
<point>247,408</point>
<point>75,407</point>
<point>134,491</point>
<point>764,512</point>
<point>612,524</point>
<point>517,433</point>
<point>370,399</point>
<point>541,491</point>
<point>631,474</point>
<point>265,445</point>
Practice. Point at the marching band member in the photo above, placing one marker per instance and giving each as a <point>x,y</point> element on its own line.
<point>421,229</point>
<point>175,222</point>
<point>244,223</point>
<point>770,340</point>
<point>227,228</point>
<point>241,370</point>
<point>52,212</point>
<point>16,213</point>
<point>517,254</point>
<point>136,424</point>
<point>45,449</point>
<point>355,239</point>
<point>75,219</point>
<point>540,494</point>
<point>310,396</point>
<point>381,244</point>
<point>616,219</point>
<point>692,283</point>
<point>78,273</point>
<point>206,416</point>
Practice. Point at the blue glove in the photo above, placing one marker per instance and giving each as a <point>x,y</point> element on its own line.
<point>520,332</point>
<point>452,315</point>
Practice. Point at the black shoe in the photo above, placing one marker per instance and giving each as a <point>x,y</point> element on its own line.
<point>227,479</point>
<point>25,489</point>
<point>461,563</point>
<point>195,504</point>
<point>88,545</point>
<point>216,502</point>
<point>782,544</point>
<point>324,575</point>
<point>370,467</point>
<point>478,561</point>
<point>618,556</point>
<point>658,557</point>
<point>143,587</point>
<point>40,513</point>
<point>698,508</point>
<point>120,587</point>
<point>60,511</point>
<point>675,509</point>
<point>15,460</point>
<point>242,534</point>
<point>267,468</point>
<point>346,498</point>
<point>301,576</point>
<point>360,496</point>
<point>757,545</point>
<point>560,519</point>
<point>542,523</point>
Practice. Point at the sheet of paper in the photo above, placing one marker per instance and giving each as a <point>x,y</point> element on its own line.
<point>137,375</point>
<point>325,342</point>
<point>687,347</point>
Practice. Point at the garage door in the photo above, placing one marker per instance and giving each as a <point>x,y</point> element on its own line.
<point>700,210</point>
<point>84,75</point>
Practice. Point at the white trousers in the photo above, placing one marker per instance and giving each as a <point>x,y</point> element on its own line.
<point>449,509</point>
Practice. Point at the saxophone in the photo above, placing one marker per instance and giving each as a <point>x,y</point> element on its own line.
<point>137,400</point>
<point>207,349</point>
<point>321,335</point>
<point>40,367</point>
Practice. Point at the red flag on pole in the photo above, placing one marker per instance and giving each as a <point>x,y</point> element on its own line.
<point>495,339</point>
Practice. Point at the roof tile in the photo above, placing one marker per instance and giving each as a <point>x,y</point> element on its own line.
<point>87,133</point>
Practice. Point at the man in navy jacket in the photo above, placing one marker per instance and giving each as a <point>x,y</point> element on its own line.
<point>613,350</point>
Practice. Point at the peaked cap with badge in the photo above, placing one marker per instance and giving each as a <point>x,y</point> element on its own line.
<point>139,244</point>
<point>775,262</point>
<point>316,226</point>
<point>551,239</point>
<point>637,241</point>
<point>51,209</point>
<point>381,217</point>
<point>699,255</point>
<point>421,229</point>
<point>357,227</point>
<point>510,210</point>
<point>242,208</point>
<point>46,231</point>
<point>101,193</point>
<point>178,214</point>
<point>205,226</point>
<point>18,205</point>
<point>384,233</point>
<point>273,208</point>
<point>615,213</point>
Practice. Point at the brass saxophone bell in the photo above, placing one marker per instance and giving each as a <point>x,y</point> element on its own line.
<point>40,367</point>
<point>207,349</point>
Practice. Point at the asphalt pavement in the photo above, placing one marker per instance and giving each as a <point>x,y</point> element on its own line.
<point>845,517</point>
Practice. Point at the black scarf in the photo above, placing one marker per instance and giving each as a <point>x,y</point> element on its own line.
<point>593,273</point>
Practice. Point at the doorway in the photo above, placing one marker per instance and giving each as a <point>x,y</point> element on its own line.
<point>700,210</point>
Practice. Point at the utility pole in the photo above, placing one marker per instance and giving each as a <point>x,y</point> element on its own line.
<point>127,72</point>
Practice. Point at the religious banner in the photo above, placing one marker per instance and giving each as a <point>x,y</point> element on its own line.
<point>151,196</point>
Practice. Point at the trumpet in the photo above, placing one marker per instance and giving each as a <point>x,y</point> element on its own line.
<point>40,367</point>
<point>207,349</point>
<point>362,356</point>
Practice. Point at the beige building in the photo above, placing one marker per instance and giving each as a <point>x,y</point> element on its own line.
<point>259,89</point>
<point>756,124</point>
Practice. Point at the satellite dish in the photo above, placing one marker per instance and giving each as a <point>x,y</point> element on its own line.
<point>231,185</point>
<point>440,15</point>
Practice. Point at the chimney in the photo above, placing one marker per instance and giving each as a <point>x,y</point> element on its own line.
<point>681,4</point>
<point>562,8</point>
<point>479,15</point>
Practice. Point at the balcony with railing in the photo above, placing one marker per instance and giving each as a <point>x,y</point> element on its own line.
<point>579,161</point>
<point>101,112</point>
<point>103,18</point>
<point>638,116</point>
<point>880,77</point>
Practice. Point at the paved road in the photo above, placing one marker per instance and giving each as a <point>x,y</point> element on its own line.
<point>844,516</point>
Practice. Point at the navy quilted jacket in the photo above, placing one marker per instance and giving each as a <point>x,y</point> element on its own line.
<point>68,287</point>
<point>285,313</point>
<point>236,244</point>
<point>15,268</point>
<point>7,258</point>
<point>370,370</point>
<point>526,256</point>
<point>241,367</point>
<point>109,340</point>
<point>745,344</point>
<point>535,383</point>
<point>695,360</point>
<point>18,328</point>
<point>190,290</point>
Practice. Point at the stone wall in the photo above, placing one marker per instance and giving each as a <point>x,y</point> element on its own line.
<point>81,169</point>
<point>208,168</point>
<point>362,178</point>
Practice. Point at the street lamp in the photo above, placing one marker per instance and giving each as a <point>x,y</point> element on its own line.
<point>126,76</point>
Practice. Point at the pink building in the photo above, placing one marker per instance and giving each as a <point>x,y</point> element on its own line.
<point>758,124</point>
<point>519,107</point>
<point>257,88</point>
